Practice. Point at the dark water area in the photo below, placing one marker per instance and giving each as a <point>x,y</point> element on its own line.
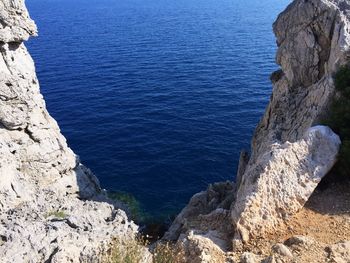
<point>157,97</point>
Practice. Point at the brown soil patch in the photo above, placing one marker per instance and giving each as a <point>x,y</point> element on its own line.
<point>325,218</point>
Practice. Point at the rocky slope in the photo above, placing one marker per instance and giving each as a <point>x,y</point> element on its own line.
<point>52,208</point>
<point>290,154</point>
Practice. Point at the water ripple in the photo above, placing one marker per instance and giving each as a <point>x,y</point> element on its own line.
<point>156,96</point>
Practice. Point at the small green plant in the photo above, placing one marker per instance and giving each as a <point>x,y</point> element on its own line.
<point>58,214</point>
<point>342,80</point>
<point>168,253</point>
<point>339,120</point>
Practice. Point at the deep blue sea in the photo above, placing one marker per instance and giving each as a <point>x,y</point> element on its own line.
<point>157,97</point>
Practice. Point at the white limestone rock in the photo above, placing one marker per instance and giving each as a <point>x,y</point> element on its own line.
<point>340,252</point>
<point>282,250</point>
<point>52,208</point>
<point>248,257</point>
<point>207,212</point>
<point>15,24</point>
<point>279,183</point>
<point>300,241</point>
<point>313,40</point>
<point>201,249</point>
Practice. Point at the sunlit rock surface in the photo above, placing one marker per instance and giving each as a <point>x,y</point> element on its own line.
<point>52,208</point>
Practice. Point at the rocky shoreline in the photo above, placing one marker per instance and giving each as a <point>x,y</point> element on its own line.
<point>52,208</point>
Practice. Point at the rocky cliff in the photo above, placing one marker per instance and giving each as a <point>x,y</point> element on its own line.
<point>52,208</point>
<point>290,154</point>
<point>313,42</point>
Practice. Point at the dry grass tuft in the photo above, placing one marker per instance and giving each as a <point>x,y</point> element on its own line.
<point>133,251</point>
<point>168,253</point>
<point>126,251</point>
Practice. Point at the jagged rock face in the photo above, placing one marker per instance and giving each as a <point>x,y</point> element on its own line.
<point>15,24</point>
<point>201,249</point>
<point>32,146</point>
<point>304,35</point>
<point>281,181</point>
<point>207,211</point>
<point>289,159</point>
<point>313,42</point>
<point>39,173</point>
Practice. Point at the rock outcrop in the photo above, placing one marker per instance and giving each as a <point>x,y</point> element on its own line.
<point>280,182</point>
<point>207,208</point>
<point>52,208</point>
<point>290,151</point>
<point>313,42</point>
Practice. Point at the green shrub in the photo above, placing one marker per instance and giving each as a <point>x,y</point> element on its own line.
<point>343,164</point>
<point>342,81</point>
<point>339,120</point>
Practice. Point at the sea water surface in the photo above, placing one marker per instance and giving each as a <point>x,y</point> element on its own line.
<point>157,97</point>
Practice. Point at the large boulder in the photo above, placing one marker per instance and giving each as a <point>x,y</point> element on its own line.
<point>280,182</point>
